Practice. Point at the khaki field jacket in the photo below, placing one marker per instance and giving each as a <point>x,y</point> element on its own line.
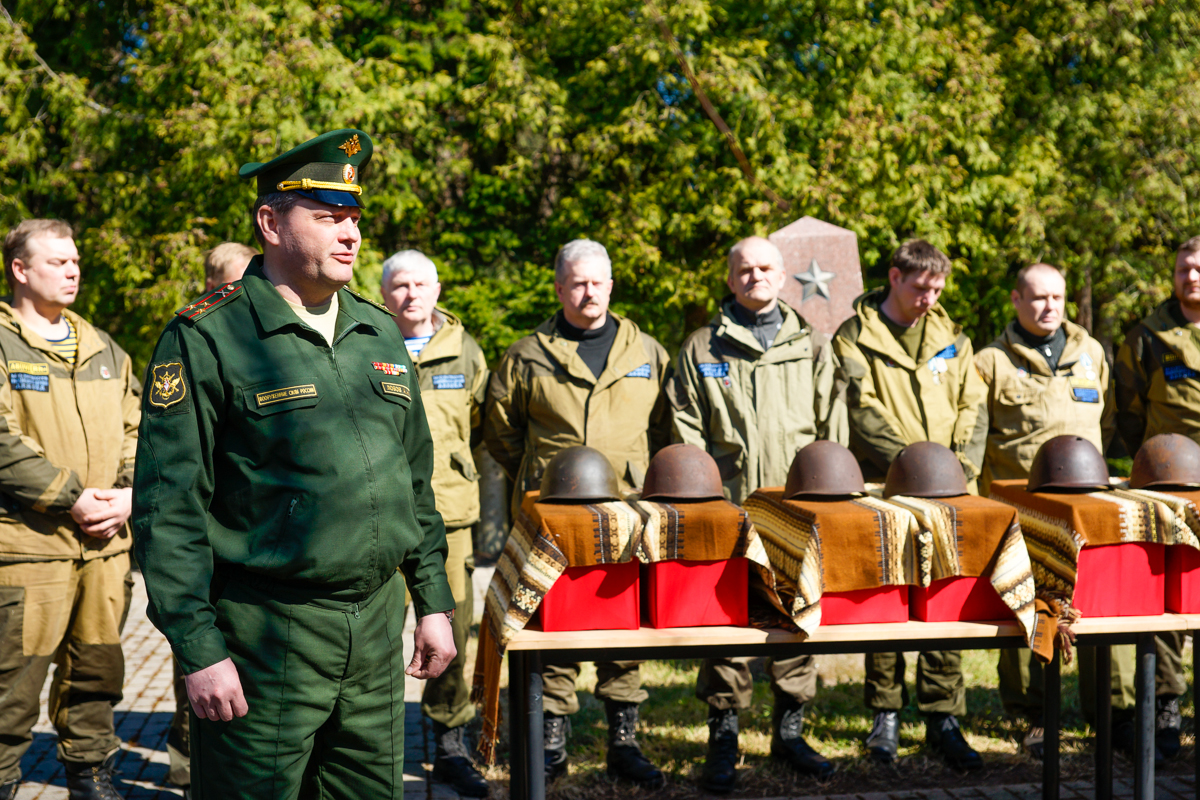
<point>65,428</point>
<point>1157,378</point>
<point>543,399</point>
<point>894,401</point>
<point>1028,405</point>
<point>750,409</point>
<point>453,377</point>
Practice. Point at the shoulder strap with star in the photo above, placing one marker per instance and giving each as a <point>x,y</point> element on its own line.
<point>369,301</point>
<point>210,301</point>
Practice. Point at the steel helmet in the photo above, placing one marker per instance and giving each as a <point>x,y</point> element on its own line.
<point>1068,462</point>
<point>926,469</point>
<point>1169,459</point>
<point>579,473</point>
<point>682,472</point>
<point>821,469</point>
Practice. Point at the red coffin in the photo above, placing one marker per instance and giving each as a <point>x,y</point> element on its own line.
<point>600,597</point>
<point>686,594</point>
<point>1121,580</point>
<point>1183,580</point>
<point>884,604</point>
<point>958,599</point>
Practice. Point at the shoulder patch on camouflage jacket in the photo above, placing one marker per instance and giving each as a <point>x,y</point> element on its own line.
<point>210,301</point>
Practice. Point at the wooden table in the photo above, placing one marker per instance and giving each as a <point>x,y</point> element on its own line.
<point>532,649</point>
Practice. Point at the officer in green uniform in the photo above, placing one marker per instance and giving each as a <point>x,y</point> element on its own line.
<point>1157,390</point>
<point>284,475</point>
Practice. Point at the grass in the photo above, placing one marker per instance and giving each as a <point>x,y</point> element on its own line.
<point>673,734</point>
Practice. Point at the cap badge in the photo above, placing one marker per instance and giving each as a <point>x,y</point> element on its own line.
<point>350,146</point>
<point>348,174</point>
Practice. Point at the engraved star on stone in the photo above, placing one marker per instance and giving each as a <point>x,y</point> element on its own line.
<point>815,281</point>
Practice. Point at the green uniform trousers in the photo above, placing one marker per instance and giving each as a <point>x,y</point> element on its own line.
<point>1169,679</point>
<point>179,748</point>
<point>1021,681</point>
<point>940,686</point>
<point>618,681</point>
<point>447,698</point>
<point>69,613</point>
<point>726,683</point>
<point>324,682</point>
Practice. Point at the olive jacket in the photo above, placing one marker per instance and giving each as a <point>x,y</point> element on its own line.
<point>1028,405</point>
<point>1157,378</point>
<point>65,427</point>
<point>268,456</point>
<point>544,399</point>
<point>753,409</point>
<point>453,375</point>
<point>894,401</point>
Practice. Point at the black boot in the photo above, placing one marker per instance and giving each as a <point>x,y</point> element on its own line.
<point>1034,742</point>
<point>1167,724</point>
<point>8,791</point>
<point>92,781</point>
<point>883,742</point>
<point>555,730</point>
<point>625,759</point>
<point>788,746</point>
<point>720,767</point>
<point>943,735</point>
<point>452,764</point>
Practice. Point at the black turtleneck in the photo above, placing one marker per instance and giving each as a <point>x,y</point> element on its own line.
<point>1051,347</point>
<point>765,327</point>
<point>594,344</point>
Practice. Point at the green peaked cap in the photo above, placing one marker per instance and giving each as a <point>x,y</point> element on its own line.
<point>325,169</point>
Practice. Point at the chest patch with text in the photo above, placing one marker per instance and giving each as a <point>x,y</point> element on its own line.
<point>1179,372</point>
<point>641,372</point>
<point>455,381</point>
<point>719,369</point>
<point>397,389</point>
<point>25,376</point>
<point>283,395</point>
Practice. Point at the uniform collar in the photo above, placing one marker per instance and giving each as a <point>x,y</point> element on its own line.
<point>1076,346</point>
<point>89,342</point>
<point>940,331</point>
<point>625,356</point>
<point>274,313</point>
<point>728,328</point>
<point>447,340</point>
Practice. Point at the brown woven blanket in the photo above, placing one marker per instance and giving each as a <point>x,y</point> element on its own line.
<point>835,546</point>
<point>545,540</point>
<point>1178,510</point>
<point>975,537</point>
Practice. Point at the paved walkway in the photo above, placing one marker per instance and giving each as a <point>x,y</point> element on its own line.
<point>144,715</point>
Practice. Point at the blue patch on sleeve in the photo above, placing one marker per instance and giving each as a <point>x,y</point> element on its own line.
<point>1179,372</point>
<point>719,369</point>
<point>641,372</point>
<point>949,352</point>
<point>458,381</point>
<point>1086,395</point>
<point>29,383</point>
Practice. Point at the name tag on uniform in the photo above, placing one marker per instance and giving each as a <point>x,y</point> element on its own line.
<point>641,372</point>
<point>1179,372</point>
<point>949,352</point>
<point>450,381</point>
<point>22,382</point>
<point>398,389</point>
<point>1083,394</point>
<point>719,369</point>
<point>283,395</point>
<point>28,368</point>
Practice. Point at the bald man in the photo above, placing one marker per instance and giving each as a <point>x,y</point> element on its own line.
<point>1047,377</point>
<point>752,387</point>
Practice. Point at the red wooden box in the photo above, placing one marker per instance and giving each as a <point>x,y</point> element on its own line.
<point>1121,580</point>
<point>600,597</point>
<point>884,604</point>
<point>1183,580</point>
<point>958,599</point>
<point>685,594</point>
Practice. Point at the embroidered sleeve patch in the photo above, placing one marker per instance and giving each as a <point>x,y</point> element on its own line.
<point>167,386</point>
<point>642,372</point>
<point>24,382</point>
<point>28,368</point>
<point>398,389</point>
<point>458,381</point>
<point>949,352</point>
<point>283,395</point>
<point>719,369</point>
<point>1179,372</point>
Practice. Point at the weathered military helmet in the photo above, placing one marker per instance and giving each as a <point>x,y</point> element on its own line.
<point>1169,459</point>
<point>1068,462</point>
<point>579,473</point>
<point>925,469</point>
<point>823,469</point>
<point>682,472</point>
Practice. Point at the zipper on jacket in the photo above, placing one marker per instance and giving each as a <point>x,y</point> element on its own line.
<point>292,505</point>
<point>354,609</point>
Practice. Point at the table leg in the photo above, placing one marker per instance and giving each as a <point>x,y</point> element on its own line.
<point>518,681</point>
<point>536,753</point>
<point>1143,765</point>
<point>1104,754</point>
<point>1052,692</point>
